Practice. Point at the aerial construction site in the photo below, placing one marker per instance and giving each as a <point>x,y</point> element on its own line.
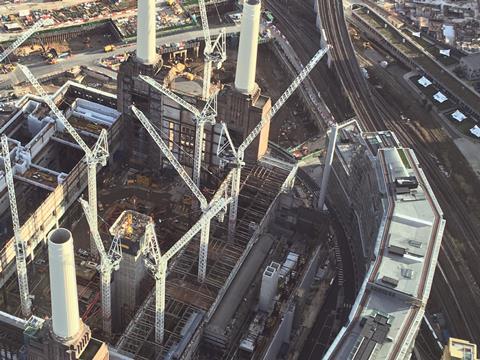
<point>173,186</point>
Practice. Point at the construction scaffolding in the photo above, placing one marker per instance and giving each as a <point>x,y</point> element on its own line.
<point>187,300</point>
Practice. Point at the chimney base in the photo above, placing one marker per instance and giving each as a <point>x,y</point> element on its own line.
<point>45,345</point>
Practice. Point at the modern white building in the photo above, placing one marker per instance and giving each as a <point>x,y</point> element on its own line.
<point>386,316</point>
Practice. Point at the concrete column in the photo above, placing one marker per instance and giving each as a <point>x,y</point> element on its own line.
<point>146,32</point>
<point>268,289</point>
<point>248,47</point>
<point>332,139</point>
<point>65,315</point>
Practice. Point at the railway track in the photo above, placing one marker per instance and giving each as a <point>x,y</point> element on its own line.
<point>305,39</point>
<point>346,66</point>
<point>376,113</point>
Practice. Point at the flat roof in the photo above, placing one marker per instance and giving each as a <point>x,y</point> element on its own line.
<point>398,283</point>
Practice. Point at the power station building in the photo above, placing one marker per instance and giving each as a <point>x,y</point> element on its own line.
<point>240,105</point>
<point>372,180</point>
<point>189,304</point>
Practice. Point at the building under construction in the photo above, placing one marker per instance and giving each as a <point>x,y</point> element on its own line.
<point>180,212</point>
<point>183,199</point>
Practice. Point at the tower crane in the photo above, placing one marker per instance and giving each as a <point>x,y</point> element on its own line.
<point>98,155</point>
<point>109,261</point>
<point>207,115</point>
<point>20,248</point>
<point>204,205</point>
<point>21,39</point>
<point>157,263</point>
<point>239,155</point>
<point>214,52</point>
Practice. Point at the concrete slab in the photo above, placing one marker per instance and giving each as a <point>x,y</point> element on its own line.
<point>232,299</point>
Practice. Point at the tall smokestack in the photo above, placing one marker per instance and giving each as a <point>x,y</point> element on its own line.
<point>146,32</point>
<point>66,321</point>
<point>247,49</point>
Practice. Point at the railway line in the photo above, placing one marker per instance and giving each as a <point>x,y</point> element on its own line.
<point>305,39</point>
<point>457,269</point>
<point>377,113</point>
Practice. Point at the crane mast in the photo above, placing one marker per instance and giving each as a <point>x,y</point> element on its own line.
<point>98,155</point>
<point>157,263</point>
<point>205,229</point>
<point>20,249</point>
<point>214,52</point>
<point>256,131</point>
<point>207,115</point>
<point>158,268</point>
<point>108,262</point>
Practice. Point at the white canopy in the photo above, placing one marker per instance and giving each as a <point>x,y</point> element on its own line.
<point>475,131</point>
<point>417,34</point>
<point>424,81</point>
<point>445,52</point>
<point>459,116</point>
<point>440,97</point>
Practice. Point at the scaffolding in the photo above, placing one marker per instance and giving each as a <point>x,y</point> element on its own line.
<point>260,186</point>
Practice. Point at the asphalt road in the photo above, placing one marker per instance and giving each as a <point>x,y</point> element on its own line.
<point>91,58</point>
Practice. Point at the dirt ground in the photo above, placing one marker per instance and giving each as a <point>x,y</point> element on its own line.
<point>293,124</point>
<point>95,40</point>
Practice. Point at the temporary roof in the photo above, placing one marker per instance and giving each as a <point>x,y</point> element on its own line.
<point>445,52</point>
<point>417,34</point>
<point>424,81</point>
<point>440,97</point>
<point>12,26</point>
<point>475,131</point>
<point>459,116</point>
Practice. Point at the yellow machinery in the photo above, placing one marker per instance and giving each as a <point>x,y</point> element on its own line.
<point>108,48</point>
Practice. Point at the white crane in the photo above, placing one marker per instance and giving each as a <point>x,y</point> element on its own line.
<point>157,263</point>
<point>207,115</point>
<point>98,155</point>
<point>109,261</point>
<point>204,205</point>
<point>214,52</point>
<point>20,248</point>
<point>239,155</point>
<point>13,46</point>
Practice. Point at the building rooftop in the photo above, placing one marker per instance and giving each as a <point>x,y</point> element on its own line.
<point>130,227</point>
<point>44,156</point>
<point>384,319</point>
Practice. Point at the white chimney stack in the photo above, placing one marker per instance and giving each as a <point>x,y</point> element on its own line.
<point>63,284</point>
<point>247,49</point>
<point>146,32</point>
